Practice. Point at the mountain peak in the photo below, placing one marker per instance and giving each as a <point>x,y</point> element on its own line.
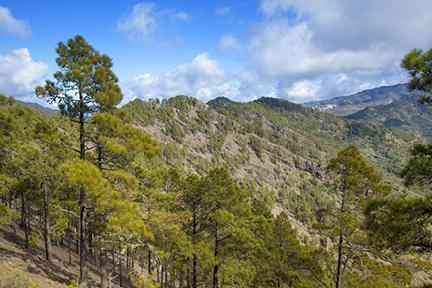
<point>221,102</point>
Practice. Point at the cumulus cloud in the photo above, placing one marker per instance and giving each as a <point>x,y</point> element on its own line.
<point>146,22</point>
<point>19,73</point>
<point>299,91</point>
<point>202,78</point>
<point>280,49</point>
<point>303,50</point>
<point>305,45</point>
<point>229,42</point>
<point>352,24</point>
<point>9,24</point>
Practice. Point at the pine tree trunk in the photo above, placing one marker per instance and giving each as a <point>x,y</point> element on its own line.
<point>216,267</point>
<point>340,247</point>
<point>83,239</point>
<point>162,276</point>
<point>188,279</point>
<point>24,220</point>
<point>195,257</point>
<point>120,266</point>
<point>127,260</point>
<point>28,229</point>
<point>90,241</point>
<point>181,279</point>
<point>103,270</point>
<point>82,201</point>
<point>166,274</point>
<point>69,250</point>
<point>339,263</point>
<point>23,210</point>
<point>149,263</point>
<point>47,234</point>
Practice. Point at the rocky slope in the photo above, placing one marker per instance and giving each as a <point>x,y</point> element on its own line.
<point>271,144</point>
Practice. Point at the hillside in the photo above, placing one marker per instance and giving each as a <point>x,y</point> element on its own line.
<point>407,115</point>
<point>388,106</point>
<point>277,144</point>
<point>350,104</point>
<point>275,149</point>
<point>44,110</point>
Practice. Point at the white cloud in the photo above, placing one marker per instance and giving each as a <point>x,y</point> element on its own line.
<point>223,11</point>
<point>19,73</point>
<point>147,23</point>
<point>202,78</point>
<point>252,86</point>
<point>9,24</point>
<point>337,46</point>
<point>229,42</point>
<point>353,24</point>
<point>299,91</point>
<point>303,50</point>
<point>280,49</point>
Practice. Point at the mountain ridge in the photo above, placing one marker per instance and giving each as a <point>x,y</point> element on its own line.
<point>393,107</point>
<point>350,104</point>
<point>278,146</point>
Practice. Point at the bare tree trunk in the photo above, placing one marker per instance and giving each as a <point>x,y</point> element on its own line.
<point>90,241</point>
<point>166,274</point>
<point>162,276</point>
<point>338,280</point>
<point>103,271</point>
<point>120,266</point>
<point>149,263</point>
<point>181,279</point>
<point>195,257</point>
<point>47,234</point>
<point>69,250</point>
<point>82,199</point>
<point>339,262</point>
<point>27,229</point>
<point>188,278</point>
<point>83,239</point>
<point>216,266</point>
<point>24,220</point>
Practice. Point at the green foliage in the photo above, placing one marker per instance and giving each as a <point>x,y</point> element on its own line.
<point>141,206</point>
<point>144,282</point>
<point>84,69</point>
<point>400,222</point>
<point>256,145</point>
<point>418,170</point>
<point>418,64</point>
<point>6,214</point>
<point>354,181</point>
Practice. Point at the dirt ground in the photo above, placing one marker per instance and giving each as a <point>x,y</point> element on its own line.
<point>31,262</point>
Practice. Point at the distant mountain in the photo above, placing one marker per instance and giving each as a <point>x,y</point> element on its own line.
<point>405,114</point>
<point>387,106</point>
<point>44,110</point>
<point>348,105</point>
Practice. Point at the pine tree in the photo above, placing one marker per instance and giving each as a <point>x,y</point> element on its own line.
<point>402,221</point>
<point>85,84</point>
<point>418,63</point>
<point>353,181</point>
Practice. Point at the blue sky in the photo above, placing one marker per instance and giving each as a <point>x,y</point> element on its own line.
<point>300,50</point>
